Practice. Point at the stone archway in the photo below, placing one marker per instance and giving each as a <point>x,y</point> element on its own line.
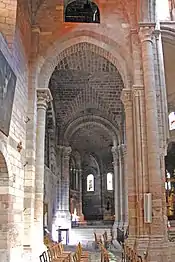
<point>61,49</point>
<point>65,49</point>
<point>4,210</point>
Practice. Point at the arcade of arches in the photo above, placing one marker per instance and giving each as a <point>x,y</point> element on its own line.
<point>87,123</point>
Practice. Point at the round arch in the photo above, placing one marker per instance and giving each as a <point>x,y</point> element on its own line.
<point>83,121</point>
<point>167,33</point>
<point>4,197</point>
<point>4,159</point>
<point>61,49</point>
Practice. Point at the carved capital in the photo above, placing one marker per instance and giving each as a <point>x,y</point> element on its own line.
<point>126,97</point>
<point>115,154</point>
<point>122,149</point>
<point>43,97</point>
<point>67,151</point>
<point>146,31</point>
<point>138,90</point>
<point>36,29</point>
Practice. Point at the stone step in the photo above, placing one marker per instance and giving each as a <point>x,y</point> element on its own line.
<point>85,235</point>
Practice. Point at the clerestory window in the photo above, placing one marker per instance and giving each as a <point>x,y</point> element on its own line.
<point>172,121</point>
<point>90,183</point>
<point>109,181</point>
<point>82,11</point>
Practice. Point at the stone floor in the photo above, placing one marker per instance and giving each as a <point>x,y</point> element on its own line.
<point>115,252</point>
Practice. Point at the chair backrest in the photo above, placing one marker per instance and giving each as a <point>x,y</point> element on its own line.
<point>75,257</point>
<point>95,235</point>
<point>52,252</point>
<point>43,257</point>
<point>49,254</point>
<point>61,247</point>
<point>105,236</point>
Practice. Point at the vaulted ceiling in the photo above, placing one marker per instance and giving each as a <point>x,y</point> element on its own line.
<point>84,84</point>
<point>85,80</point>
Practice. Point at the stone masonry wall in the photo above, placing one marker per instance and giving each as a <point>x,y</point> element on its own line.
<point>13,185</point>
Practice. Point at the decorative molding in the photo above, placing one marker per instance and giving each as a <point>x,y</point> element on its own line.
<point>43,96</point>
<point>45,33</point>
<point>66,151</point>
<point>36,29</point>
<point>138,90</point>
<point>122,149</point>
<point>146,31</point>
<point>126,97</point>
<point>115,154</point>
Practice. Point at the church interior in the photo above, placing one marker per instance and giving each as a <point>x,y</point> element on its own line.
<point>87,130</point>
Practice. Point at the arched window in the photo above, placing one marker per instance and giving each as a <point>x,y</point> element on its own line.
<point>82,12</point>
<point>109,181</point>
<point>168,182</point>
<point>90,183</point>
<point>172,121</point>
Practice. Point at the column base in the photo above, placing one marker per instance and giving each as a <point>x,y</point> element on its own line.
<point>37,246</point>
<point>154,249</point>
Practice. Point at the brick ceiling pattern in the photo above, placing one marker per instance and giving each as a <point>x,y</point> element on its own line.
<point>85,79</point>
<point>86,83</point>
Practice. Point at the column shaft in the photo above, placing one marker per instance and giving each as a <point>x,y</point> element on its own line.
<point>80,190</point>
<point>140,155</point>
<point>155,182</point>
<point>43,96</point>
<point>121,186</point>
<point>65,178</point>
<point>125,187</point>
<point>116,184</point>
<point>127,101</point>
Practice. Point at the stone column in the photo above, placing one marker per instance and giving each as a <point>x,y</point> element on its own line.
<point>114,151</point>
<point>43,97</point>
<point>140,147</point>
<point>152,126</point>
<point>124,186</point>
<point>126,98</point>
<point>80,190</point>
<point>121,183</point>
<point>157,229</point>
<point>77,179</point>
<point>65,178</point>
<point>125,178</point>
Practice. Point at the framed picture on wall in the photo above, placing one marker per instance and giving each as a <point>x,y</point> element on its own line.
<point>7,91</point>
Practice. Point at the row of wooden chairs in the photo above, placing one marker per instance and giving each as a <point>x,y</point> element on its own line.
<point>102,240</point>
<point>55,253</point>
<point>80,255</point>
<point>104,253</point>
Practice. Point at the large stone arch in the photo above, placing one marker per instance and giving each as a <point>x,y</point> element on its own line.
<point>4,156</point>
<point>4,205</point>
<point>61,49</point>
<point>105,124</point>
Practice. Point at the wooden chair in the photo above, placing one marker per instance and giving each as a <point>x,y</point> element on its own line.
<point>104,254</point>
<point>43,257</point>
<point>97,240</point>
<point>83,255</point>
<point>55,255</point>
<point>75,257</point>
<point>61,249</point>
<point>107,242</point>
